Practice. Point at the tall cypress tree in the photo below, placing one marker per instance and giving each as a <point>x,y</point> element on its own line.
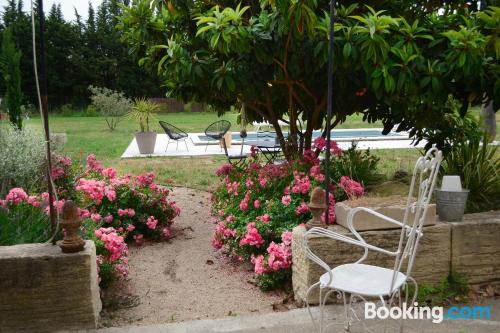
<point>10,59</point>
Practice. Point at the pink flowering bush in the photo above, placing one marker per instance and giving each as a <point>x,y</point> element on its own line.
<point>113,209</point>
<point>22,219</point>
<point>257,206</point>
<point>112,252</point>
<point>135,206</point>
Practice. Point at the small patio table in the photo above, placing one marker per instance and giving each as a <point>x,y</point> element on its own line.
<point>268,147</point>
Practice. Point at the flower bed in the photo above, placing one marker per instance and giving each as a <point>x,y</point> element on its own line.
<point>113,209</point>
<point>257,207</point>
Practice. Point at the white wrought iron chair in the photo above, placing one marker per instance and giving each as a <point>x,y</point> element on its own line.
<point>358,281</point>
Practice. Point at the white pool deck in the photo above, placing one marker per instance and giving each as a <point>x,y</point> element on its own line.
<point>197,147</point>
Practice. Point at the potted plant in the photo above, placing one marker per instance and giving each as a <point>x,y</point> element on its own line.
<point>143,111</point>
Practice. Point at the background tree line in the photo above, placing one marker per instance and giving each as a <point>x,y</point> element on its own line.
<point>79,53</point>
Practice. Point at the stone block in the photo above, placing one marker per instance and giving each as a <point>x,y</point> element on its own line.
<point>365,221</point>
<point>476,247</point>
<point>432,262</point>
<point>44,290</point>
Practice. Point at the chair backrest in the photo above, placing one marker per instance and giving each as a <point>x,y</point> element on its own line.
<point>173,132</point>
<point>218,129</point>
<point>421,189</point>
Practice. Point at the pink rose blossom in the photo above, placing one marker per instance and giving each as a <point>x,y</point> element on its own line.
<point>256,204</point>
<point>286,238</point>
<point>109,172</point>
<point>167,233</point>
<point>33,201</point>
<point>259,266</point>
<point>16,196</point>
<point>252,236</point>
<point>351,187</point>
<point>138,239</point>
<point>302,209</point>
<point>152,222</point>
<point>286,199</point>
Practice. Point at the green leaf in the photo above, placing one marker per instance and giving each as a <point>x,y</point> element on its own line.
<point>347,50</point>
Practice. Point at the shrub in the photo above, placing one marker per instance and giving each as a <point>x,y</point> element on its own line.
<point>257,206</point>
<point>143,112</point>
<point>67,110</point>
<point>133,205</point>
<point>478,165</point>
<point>359,165</point>
<point>91,111</point>
<point>111,104</point>
<point>22,219</point>
<point>113,209</point>
<point>22,159</point>
<point>111,250</point>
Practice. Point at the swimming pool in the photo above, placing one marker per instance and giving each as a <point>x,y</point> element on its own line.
<point>359,134</point>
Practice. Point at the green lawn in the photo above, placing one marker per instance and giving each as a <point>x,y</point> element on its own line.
<point>91,135</point>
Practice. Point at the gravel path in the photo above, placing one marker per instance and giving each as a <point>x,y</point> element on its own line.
<point>182,279</point>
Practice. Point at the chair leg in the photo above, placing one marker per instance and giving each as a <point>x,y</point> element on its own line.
<point>177,145</point>
<point>206,146</point>
<point>186,145</point>
<point>321,310</point>
<point>346,310</point>
<point>168,142</point>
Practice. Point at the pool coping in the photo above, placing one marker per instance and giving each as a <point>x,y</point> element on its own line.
<point>403,135</point>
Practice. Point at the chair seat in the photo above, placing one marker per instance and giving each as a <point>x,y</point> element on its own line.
<point>177,136</point>
<point>236,157</point>
<point>362,279</point>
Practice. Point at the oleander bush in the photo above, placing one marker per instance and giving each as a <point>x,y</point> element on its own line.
<point>257,206</point>
<point>114,209</point>
<point>22,219</point>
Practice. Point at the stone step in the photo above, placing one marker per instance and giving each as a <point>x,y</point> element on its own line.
<point>298,321</point>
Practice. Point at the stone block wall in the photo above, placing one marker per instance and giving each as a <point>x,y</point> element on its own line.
<point>432,261</point>
<point>470,247</point>
<point>475,244</point>
<point>44,290</point>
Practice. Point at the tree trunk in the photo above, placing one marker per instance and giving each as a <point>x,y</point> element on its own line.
<point>489,119</point>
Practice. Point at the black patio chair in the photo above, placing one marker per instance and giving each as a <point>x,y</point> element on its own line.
<point>175,134</point>
<point>235,160</point>
<point>217,130</point>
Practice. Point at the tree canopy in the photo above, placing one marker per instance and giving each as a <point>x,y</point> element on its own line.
<point>406,63</point>
<point>79,53</point>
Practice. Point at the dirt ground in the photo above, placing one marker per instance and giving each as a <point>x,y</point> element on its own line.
<point>182,279</point>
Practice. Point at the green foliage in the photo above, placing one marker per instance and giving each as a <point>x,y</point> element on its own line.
<point>23,223</point>
<point>79,53</point>
<point>143,112</point>
<point>91,111</point>
<point>455,285</point>
<point>394,61</point>
<point>359,165</point>
<point>22,159</point>
<point>67,110</point>
<point>113,105</point>
<point>10,58</point>
<point>478,165</point>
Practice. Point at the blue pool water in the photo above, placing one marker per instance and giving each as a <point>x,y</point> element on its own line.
<point>354,134</point>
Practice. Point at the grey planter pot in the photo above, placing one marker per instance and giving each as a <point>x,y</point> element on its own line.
<point>146,142</point>
<point>450,205</point>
